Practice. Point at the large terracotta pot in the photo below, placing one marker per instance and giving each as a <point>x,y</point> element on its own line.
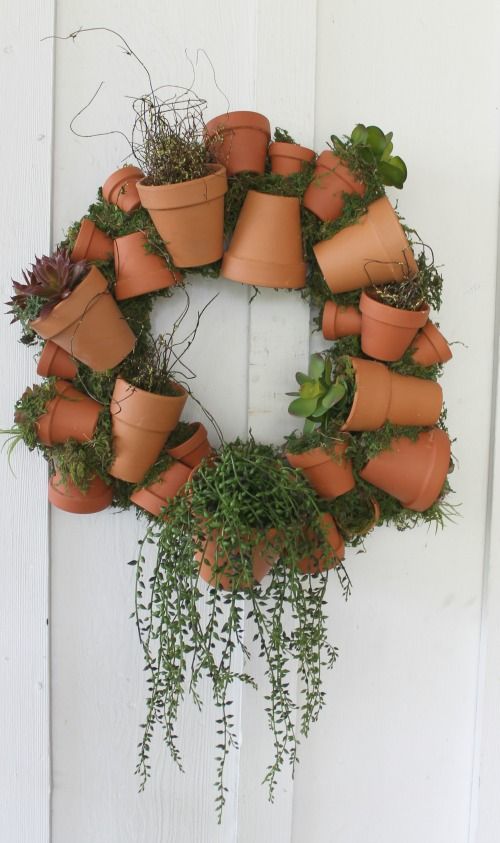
<point>121,188</point>
<point>170,482</point>
<point>92,244</point>
<point>325,195</point>
<point>374,250</point>
<point>70,415</point>
<point>189,216</point>
<point>430,346</point>
<point>141,424</point>
<point>193,450</point>
<point>69,497</point>
<point>266,247</point>
<point>382,395</point>
<point>339,321</point>
<point>289,158</point>
<point>412,472</point>
<point>327,470</point>
<point>138,271</point>
<point>56,362</point>
<point>244,139</point>
<point>217,569</point>
<point>89,325</point>
<point>386,332</point>
<point>317,562</point>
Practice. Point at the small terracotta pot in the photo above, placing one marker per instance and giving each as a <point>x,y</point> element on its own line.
<point>430,347</point>
<point>138,271</point>
<point>266,247</point>
<point>340,321</point>
<point>89,325</point>
<point>317,562</point>
<point>55,362</point>
<point>325,194</point>
<point>327,470</point>
<point>289,158</point>
<point>245,137</point>
<point>70,415</point>
<point>382,395</point>
<point>121,188</point>
<point>370,524</point>
<point>193,450</point>
<point>141,424</point>
<point>92,244</point>
<point>218,570</point>
<point>69,497</point>
<point>386,332</point>
<point>374,250</point>
<point>154,497</point>
<point>189,216</point>
<point>412,472</point>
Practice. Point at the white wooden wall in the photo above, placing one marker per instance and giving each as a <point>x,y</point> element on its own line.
<point>408,747</point>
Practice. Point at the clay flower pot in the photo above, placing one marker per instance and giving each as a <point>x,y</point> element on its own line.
<point>141,424</point>
<point>245,137</point>
<point>69,497</point>
<point>382,395</point>
<point>412,472</point>
<point>430,347</point>
<point>55,362</point>
<point>374,250</point>
<point>89,325</point>
<point>91,244</point>
<point>121,188</point>
<point>386,332</point>
<point>266,247</point>
<point>189,216</point>
<point>327,470</point>
<point>365,529</point>
<point>138,271</point>
<point>289,158</point>
<point>317,562</point>
<point>70,415</point>
<point>154,497</point>
<point>217,569</point>
<point>324,196</point>
<point>193,450</point>
<point>340,321</point>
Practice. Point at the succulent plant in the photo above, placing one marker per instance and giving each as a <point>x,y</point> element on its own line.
<point>374,148</point>
<point>50,280</point>
<point>317,394</point>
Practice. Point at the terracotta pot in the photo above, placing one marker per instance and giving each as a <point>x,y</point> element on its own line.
<point>121,188</point>
<point>374,250</point>
<point>382,395</point>
<point>189,216</point>
<point>412,472</point>
<point>325,194</point>
<point>55,362</point>
<point>154,497</point>
<point>245,137</point>
<point>370,524</point>
<point>193,450</point>
<point>69,497</point>
<point>70,415</point>
<point>340,321</point>
<point>266,247</point>
<point>92,244</point>
<point>141,424</point>
<point>217,569</point>
<point>138,271</point>
<point>89,325</point>
<point>430,347</point>
<point>317,562</point>
<point>386,332</point>
<point>327,470</point>
<point>289,158</point>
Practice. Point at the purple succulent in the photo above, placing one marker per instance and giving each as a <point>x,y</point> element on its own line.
<point>51,279</point>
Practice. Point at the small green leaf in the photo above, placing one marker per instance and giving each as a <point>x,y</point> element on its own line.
<point>313,389</point>
<point>316,366</point>
<point>376,139</point>
<point>302,407</point>
<point>301,378</point>
<point>309,426</point>
<point>393,173</point>
<point>334,395</point>
<point>359,134</point>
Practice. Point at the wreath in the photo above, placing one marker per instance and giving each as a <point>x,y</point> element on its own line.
<point>240,539</point>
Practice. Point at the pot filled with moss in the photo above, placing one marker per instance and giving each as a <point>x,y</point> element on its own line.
<point>286,156</point>
<point>189,444</point>
<point>120,188</point>
<point>162,483</point>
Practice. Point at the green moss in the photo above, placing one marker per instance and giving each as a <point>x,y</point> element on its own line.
<point>79,462</point>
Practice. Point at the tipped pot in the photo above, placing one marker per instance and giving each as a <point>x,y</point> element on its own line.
<point>239,141</point>
<point>318,562</point>
<point>328,471</point>
<point>193,450</point>
<point>91,244</point>
<point>386,332</point>
<point>169,483</point>
<point>340,321</point>
<point>89,325</point>
<point>374,250</point>
<point>412,472</point>
<point>219,570</point>
<point>121,188</point>
<point>67,496</point>
<point>266,247</point>
<point>141,423</point>
<point>189,216</point>
<point>55,362</point>
<point>138,271</point>
<point>70,415</point>
<point>289,158</point>
<point>430,347</point>
<point>325,195</point>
